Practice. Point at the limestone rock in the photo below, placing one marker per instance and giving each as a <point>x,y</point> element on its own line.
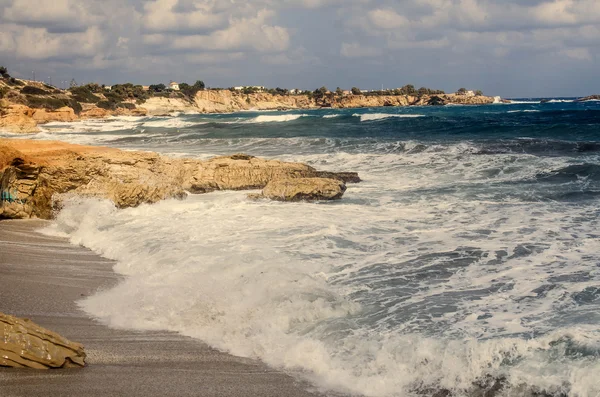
<point>309,189</point>
<point>18,119</point>
<point>24,344</point>
<point>64,114</point>
<point>36,175</point>
<point>94,113</point>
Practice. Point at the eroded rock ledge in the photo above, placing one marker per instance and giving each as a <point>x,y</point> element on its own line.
<point>24,344</point>
<point>35,175</point>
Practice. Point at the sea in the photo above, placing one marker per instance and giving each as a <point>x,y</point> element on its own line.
<point>466,262</point>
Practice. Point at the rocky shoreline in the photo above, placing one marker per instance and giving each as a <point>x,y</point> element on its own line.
<point>36,175</point>
<point>24,105</point>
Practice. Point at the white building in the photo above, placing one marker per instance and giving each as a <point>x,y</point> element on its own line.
<point>174,86</point>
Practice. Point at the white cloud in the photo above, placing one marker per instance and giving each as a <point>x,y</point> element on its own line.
<point>161,16</point>
<point>242,34</point>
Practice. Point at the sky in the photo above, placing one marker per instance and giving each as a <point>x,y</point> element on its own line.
<point>511,48</point>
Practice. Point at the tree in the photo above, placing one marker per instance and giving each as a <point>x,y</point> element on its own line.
<point>478,93</point>
<point>320,92</point>
<point>461,91</point>
<point>4,72</point>
<point>356,91</point>
<point>423,91</point>
<point>159,87</point>
<point>339,91</point>
<point>199,85</point>
<point>408,89</point>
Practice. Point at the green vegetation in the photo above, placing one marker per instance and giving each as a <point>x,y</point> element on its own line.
<point>191,90</point>
<point>31,90</point>
<point>4,72</point>
<point>478,93</point>
<point>356,91</point>
<point>3,92</point>
<point>84,94</point>
<point>320,92</point>
<point>157,88</point>
<point>461,91</point>
<point>52,103</point>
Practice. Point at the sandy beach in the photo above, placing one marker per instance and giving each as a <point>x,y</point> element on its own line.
<point>42,277</point>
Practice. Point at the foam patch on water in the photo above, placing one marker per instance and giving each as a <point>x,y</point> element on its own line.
<point>331,116</point>
<point>277,119</point>
<point>383,116</point>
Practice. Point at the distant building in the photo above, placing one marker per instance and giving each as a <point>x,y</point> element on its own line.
<point>294,91</point>
<point>346,92</point>
<point>108,87</point>
<point>258,88</point>
<point>146,87</point>
<point>174,86</point>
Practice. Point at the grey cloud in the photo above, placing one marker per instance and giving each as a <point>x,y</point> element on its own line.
<point>509,47</point>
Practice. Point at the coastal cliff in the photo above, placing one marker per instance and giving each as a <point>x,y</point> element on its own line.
<point>24,105</point>
<point>36,175</point>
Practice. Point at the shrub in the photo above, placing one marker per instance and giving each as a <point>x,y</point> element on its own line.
<point>75,105</point>
<point>356,91</point>
<point>4,72</point>
<point>14,82</point>
<point>31,90</point>
<point>3,92</point>
<point>106,105</point>
<point>47,103</point>
<point>84,94</point>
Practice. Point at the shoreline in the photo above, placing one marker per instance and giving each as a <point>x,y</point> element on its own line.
<point>42,279</point>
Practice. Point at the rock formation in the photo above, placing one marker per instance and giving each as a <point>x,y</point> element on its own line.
<point>589,98</point>
<point>24,344</point>
<point>298,189</point>
<point>35,175</point>
<point>26,104</point>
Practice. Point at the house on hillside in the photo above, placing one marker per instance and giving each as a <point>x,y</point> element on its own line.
<point>174,86</point>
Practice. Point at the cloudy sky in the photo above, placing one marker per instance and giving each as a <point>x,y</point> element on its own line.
<point>504,47</point>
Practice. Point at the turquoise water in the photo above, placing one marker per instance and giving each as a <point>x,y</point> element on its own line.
<point>467,260</point>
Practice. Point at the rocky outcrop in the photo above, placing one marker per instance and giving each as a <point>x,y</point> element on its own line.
<point>17,119</point>
<point>36,175</point>
<point>159,106</point>
<point>64,114</point>
<point>303,189</point>
<point>589,98</point>
<point>24,344</point>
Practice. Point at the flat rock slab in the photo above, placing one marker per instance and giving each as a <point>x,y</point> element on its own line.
<point>24,344</point>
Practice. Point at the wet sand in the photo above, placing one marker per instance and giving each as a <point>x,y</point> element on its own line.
<point>42,277</point>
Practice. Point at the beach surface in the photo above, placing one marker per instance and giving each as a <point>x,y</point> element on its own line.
<point>42,278</point>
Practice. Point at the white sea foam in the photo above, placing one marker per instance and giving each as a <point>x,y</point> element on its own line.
<point>171,123</point>
<point>276,119</point>
<point>339,291</point>
<point>383,116</point>
<point>524,111</point>
<point>331,116</point>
